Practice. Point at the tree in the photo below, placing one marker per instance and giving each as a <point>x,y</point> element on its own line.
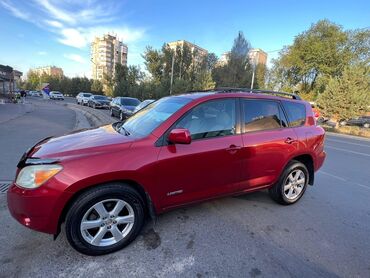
<point>237,72</point>
<point>96,87</point>
<point>319,51</point>
<point>347,96</point>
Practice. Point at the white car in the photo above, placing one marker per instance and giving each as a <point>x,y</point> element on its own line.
<point>83,98</point>
<point>56,95</point>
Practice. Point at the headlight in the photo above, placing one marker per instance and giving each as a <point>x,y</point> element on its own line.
<point>31,177</point>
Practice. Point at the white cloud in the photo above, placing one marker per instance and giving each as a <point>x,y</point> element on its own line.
<point>56,12</point>
<point>42,53</point>
<point>15,11</point>
<point>76,58</point>
<point>72,37</point>
<point>54,23</point>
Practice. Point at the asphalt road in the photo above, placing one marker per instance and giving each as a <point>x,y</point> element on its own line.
<point>326,234</point>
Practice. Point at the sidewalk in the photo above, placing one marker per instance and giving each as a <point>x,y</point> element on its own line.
<point>10,111</point>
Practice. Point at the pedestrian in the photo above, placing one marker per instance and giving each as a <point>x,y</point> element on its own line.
<point>23,96</point>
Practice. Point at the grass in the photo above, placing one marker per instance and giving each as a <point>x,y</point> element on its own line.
<point>350,130</point>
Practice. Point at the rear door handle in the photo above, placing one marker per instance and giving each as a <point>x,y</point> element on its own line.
<point>289,140</point>
<point>233,148</point>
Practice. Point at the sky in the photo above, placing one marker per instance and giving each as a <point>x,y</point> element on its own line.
<point>37,33</point>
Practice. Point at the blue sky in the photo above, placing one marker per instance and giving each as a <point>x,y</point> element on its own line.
<point>49,32</point>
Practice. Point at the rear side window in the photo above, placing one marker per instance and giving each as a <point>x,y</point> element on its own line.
<point>296,113</point>
<point>262,115</point>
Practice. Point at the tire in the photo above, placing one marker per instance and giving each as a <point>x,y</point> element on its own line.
<point>83,240</point>
<point>293,193</point>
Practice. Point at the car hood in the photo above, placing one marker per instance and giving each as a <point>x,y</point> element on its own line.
<point>102,101</point>
<point>81,142</point>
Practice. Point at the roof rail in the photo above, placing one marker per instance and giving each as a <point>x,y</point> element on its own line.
<point>255,91</point>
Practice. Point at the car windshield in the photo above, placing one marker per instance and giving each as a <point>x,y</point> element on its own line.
<point>130,101</point>
<point>146,120</point>
<point>100,97</point>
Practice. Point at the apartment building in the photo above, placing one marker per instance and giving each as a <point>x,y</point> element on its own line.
<point>8,79</point>
<point>256,56</point>
<point>199,52</point>
<point>49,70</point>
<point>106,52</point>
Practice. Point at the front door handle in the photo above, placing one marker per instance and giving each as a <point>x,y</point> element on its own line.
<point>289,140</point>
<point>233,148</point>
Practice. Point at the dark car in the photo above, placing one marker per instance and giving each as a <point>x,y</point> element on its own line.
<point>143,104</point>
<point>123,107</point>
<point>98,101</point>
<point>363,121</point>
<point>177,151</point>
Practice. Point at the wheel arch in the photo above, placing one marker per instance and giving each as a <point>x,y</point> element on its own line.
<point>307,160</point>
<point>146,199</point>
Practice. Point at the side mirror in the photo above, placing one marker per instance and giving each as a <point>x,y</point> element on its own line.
<point>180,136</point>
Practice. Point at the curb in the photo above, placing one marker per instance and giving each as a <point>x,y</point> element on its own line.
<point>93,119</point>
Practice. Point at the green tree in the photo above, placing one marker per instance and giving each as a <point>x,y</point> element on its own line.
<point>237,72</point>
<point>347,96</point>
<point>319,51</point>
<point>96,87</point>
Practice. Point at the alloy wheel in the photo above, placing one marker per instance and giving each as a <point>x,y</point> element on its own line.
<point>294,184</point>
<point>107,222</point>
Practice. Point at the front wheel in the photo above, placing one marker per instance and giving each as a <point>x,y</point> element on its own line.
<point>291,185</point>
<point>104,219</point>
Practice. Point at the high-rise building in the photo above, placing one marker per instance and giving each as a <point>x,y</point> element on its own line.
<point>106,52</point>
<point>199,52</point>
<point>49,70</point>
<point>256,56</point>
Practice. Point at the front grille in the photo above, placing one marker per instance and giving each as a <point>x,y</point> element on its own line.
<point>4,185</point>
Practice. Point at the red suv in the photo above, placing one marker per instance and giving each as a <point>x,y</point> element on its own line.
<point>177,151</point>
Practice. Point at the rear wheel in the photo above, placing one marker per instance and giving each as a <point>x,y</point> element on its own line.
<point>291,185</point>
<point>104,219</point>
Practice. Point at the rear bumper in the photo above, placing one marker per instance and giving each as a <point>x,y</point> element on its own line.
<point>320,160</point>
<point>38,209</point>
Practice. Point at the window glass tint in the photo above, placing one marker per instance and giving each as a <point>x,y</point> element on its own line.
<point>130,101</point>
<point>262,115</point>
<point>147,119</point>
<point>296,113</point>
<point>210,119</point>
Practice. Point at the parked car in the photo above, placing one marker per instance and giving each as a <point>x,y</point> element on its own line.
<point>363,121</point>
<point>143,104</point>
<point>180,150</point>
<point>123,107</point>
<point>56,95</point>
<point>83,98</point>
<point>98,101</point>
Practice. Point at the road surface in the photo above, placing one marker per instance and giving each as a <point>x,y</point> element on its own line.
<point>326,234</point>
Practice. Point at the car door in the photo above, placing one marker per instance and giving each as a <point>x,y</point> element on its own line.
<point>267,142</point>
<point>211,164</point>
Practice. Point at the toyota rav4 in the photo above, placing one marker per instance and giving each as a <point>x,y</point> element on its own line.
<point>179,150</point>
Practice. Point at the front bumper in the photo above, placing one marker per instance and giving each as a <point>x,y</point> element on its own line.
<point>38,209</point>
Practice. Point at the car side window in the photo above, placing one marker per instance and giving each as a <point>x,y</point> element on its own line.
<point>262,115</point>
<point>296,113</point>
<point>213,118</point>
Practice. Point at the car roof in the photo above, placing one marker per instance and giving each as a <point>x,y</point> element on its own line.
<point>218,94</point>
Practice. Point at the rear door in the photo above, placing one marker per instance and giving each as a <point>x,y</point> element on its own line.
<point>267,141</point>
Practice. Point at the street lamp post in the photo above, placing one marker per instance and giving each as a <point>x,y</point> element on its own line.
<point>254,69</point>
<point>173,62</point>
